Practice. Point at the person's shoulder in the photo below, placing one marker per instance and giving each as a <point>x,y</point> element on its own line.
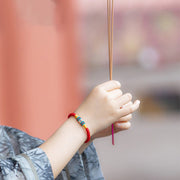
<point>20,137</point>
<point>11,130</point>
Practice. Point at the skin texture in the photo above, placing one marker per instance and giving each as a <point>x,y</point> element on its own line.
<point>106,104</point>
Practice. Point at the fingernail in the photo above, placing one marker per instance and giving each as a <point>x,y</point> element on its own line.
<point>129,95</point>
<point>138,102</point>
<point>118,125</point>
<point>124,125</point>
<point>119,84</point>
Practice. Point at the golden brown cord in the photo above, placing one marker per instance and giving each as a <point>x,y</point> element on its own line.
<point>110,19</point>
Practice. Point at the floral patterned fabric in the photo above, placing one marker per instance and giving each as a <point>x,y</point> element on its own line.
<point>21,159</point>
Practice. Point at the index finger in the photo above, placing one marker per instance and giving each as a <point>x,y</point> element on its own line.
<point>110,85</point>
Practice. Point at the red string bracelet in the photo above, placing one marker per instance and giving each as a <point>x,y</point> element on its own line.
<point>82,123</point>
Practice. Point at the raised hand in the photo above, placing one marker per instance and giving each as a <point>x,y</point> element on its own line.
<point>103,106</point>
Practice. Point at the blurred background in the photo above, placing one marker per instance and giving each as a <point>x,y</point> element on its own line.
<point>54,52</point>
<point>146,62</point>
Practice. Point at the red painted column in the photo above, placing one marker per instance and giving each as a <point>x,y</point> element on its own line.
<point>41,69</point>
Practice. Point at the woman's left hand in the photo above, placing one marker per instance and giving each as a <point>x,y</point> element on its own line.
<point>120,125</point>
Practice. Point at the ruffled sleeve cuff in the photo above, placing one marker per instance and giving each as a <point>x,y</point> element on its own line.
<point>36,160</point>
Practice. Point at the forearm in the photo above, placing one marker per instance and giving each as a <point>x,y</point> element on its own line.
<point>63,144</point>
<point>100,109</point>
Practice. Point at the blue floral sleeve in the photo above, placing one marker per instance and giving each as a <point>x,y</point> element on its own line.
<point>22,159</point>
<point>32,165</point>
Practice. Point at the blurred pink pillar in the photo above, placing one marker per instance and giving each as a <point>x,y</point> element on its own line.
<point>40,68</point>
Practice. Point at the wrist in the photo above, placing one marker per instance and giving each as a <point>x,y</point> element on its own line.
<point>82,123</point>
<point>81,131</point>
<point>87,119</point>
